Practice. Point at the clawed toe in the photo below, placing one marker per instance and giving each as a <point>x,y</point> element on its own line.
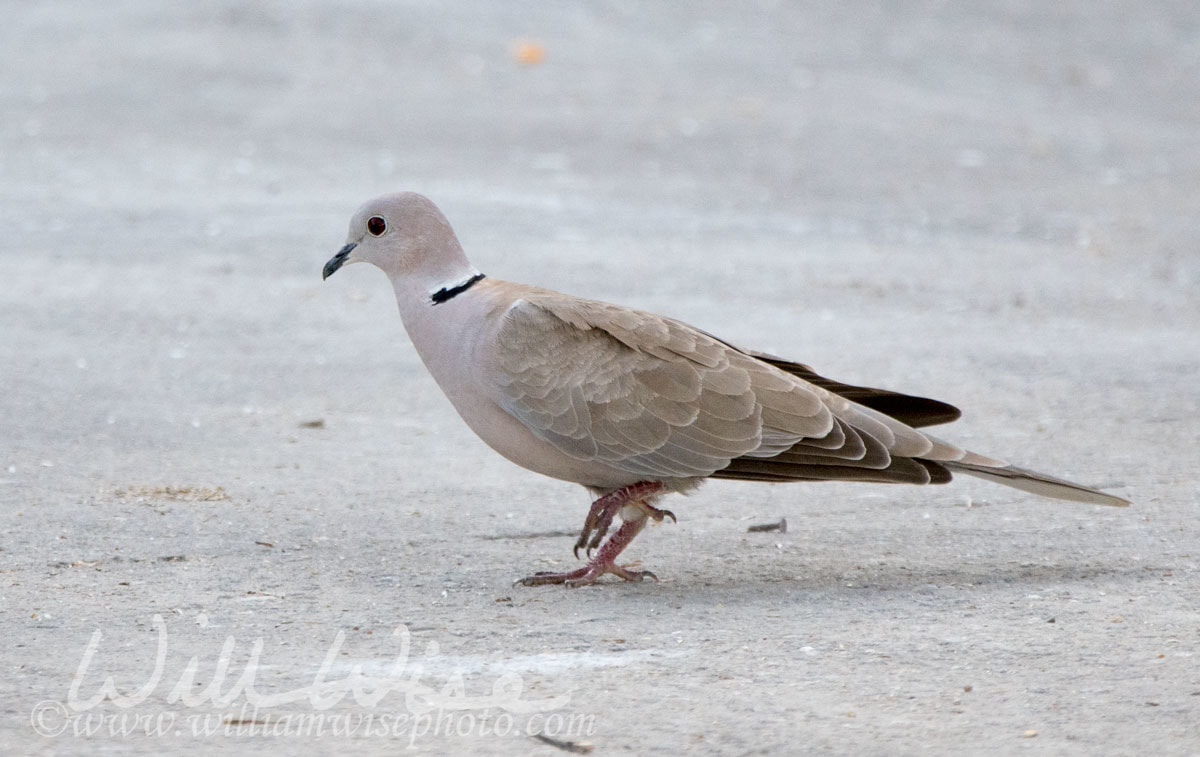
<point>544,577</point>
<point>585,576</point>
<point>595,529</point>
<point>636,576</point>
<point>588,544</point>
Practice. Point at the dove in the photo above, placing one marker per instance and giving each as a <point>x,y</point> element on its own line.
<point>633,405</point>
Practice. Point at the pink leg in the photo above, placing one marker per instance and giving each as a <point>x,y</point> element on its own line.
<point>604,509</point>
<point>599,519</point>
<point>603,562</point>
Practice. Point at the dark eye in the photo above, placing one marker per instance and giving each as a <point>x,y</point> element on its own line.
<point>376,225</point>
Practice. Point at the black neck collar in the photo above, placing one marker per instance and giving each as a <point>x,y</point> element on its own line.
<point>449,293</point>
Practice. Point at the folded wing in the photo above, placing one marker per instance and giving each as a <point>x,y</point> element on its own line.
<point>662,400</point>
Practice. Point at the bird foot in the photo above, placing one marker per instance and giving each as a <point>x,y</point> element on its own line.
<point>585,576</point>
<point>605,561</point>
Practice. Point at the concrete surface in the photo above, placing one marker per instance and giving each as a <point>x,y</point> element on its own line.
<point>992,204</point>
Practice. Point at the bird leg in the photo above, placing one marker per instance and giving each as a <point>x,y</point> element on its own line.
<point>604,509</point>
<point>599,519</point>
<point>603,562</point>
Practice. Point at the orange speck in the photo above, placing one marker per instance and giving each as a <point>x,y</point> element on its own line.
<point>529,53</point>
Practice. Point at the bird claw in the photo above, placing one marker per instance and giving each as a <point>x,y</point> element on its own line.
<point>636,576</point>
<point>595,528</point>
<point>586,576</point>
<point>633,576</point>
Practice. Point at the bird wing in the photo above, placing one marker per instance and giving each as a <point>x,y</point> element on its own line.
<point>658,398</point>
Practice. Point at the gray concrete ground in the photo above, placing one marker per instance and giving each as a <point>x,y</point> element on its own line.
<point>208,453</point>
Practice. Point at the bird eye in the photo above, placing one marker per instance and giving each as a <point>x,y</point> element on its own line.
<point>376,225</point>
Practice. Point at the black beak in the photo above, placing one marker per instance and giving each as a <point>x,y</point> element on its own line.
<point>337,260</point>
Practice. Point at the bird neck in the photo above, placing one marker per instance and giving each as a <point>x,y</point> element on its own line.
<point>434,285</point>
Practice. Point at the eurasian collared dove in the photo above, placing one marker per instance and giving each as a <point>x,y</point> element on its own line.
<point>634,405</point>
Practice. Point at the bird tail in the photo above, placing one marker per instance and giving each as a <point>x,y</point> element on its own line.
<point>1036,483</point>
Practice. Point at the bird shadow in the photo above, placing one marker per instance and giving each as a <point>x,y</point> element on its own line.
<point>818,580</point>
<point>822,582</point>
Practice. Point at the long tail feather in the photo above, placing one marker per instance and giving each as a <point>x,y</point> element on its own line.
<point>1038,483</point>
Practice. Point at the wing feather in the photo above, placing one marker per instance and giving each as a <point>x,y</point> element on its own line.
<point>659,399</point>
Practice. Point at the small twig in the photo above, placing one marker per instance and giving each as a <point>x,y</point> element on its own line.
<point>781,527</point>
<point>530,535</point>
<point>574,747</point>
